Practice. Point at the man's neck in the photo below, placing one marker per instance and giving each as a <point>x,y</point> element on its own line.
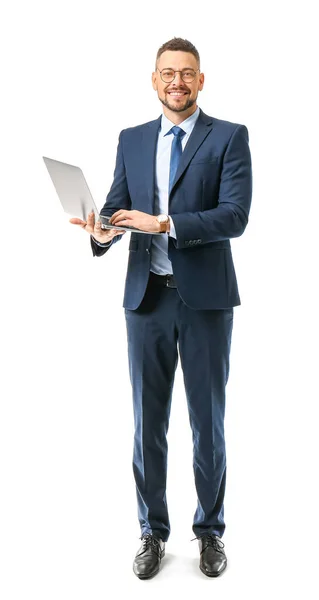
<point>179,117</point>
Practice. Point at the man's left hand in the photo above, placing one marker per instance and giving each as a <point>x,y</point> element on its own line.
<point>137,219</point>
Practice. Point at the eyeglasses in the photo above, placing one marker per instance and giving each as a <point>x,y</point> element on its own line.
<point>168,75</point>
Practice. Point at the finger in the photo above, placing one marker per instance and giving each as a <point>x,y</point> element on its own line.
<point>118,216</point>
<point>91,219</point>
<point>120,221</point>
<point>97,227</point>
<point>77,221</point>
<point>114,226</point>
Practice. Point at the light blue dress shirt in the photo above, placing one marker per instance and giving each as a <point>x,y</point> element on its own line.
<point>160,262</point>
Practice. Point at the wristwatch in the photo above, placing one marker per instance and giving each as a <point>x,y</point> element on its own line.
<point>163,221</point>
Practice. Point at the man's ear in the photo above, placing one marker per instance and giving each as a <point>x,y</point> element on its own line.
<point>154,80</point>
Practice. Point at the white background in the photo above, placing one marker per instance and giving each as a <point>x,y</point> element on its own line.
<point>74,74</point>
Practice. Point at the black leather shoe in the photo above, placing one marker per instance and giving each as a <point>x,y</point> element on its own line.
<point>213,559</point>
<point>148,558</point>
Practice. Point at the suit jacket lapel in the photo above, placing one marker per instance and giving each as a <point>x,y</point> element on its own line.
<point>149,143</point>
<point>202,128</point>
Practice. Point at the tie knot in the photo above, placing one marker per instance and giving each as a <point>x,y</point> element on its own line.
<point>177,131</point>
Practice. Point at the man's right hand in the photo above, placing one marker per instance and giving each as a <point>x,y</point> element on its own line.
<point>101,235</point>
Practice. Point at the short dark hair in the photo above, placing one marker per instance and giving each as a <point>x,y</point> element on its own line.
<point>178,44</point>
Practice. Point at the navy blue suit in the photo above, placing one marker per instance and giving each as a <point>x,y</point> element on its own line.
<point>209,204</point>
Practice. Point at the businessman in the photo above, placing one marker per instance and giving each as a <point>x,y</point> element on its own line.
<point>187,176</point>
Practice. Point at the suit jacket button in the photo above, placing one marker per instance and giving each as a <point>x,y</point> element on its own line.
<point>147,250</point>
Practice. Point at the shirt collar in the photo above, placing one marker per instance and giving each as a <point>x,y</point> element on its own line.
<point>186,125</point>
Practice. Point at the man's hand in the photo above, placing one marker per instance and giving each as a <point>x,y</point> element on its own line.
<point>136,218</point>
<point>101,235</point>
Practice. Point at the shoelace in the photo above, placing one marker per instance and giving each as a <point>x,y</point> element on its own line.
<point>212,541</point>
<point>149,541</point>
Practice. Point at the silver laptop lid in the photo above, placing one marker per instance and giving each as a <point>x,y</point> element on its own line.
<point>72,189</point>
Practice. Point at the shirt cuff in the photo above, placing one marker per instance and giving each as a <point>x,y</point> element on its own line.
<point>172,232</point>
<point>106,245</point>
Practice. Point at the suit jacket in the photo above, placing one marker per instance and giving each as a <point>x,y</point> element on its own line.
<point>209,204</point>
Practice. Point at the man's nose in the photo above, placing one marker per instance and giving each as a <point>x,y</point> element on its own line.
<point>178,78</point>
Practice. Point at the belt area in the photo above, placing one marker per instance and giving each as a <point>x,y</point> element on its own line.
<point>164,280</point>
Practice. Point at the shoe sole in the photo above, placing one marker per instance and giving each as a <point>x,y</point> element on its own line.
<point>154,572</point>
<point>213,574</point>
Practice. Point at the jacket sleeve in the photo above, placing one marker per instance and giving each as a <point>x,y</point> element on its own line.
<point>118,197</point>
<point>229,219</point>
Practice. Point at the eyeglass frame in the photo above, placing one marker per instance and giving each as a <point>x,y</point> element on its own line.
<point>181,72</point>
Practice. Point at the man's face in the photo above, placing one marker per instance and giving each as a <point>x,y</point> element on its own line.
<point>177,95</point>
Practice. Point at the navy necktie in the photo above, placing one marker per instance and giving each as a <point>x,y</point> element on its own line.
<point>176,153</point>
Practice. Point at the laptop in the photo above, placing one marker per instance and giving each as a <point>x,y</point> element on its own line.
<point>75,195</point>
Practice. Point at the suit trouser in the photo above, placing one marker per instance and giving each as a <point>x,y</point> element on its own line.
<point>160,324</point>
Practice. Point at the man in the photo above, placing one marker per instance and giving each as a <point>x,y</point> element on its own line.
<point>188,176</point>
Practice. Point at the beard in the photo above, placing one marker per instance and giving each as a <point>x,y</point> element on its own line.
<point>187,104</point>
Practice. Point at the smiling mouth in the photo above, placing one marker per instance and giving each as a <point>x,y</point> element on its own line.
<point>177,94</point>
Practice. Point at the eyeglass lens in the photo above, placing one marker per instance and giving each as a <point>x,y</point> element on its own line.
<point>168,75</point>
